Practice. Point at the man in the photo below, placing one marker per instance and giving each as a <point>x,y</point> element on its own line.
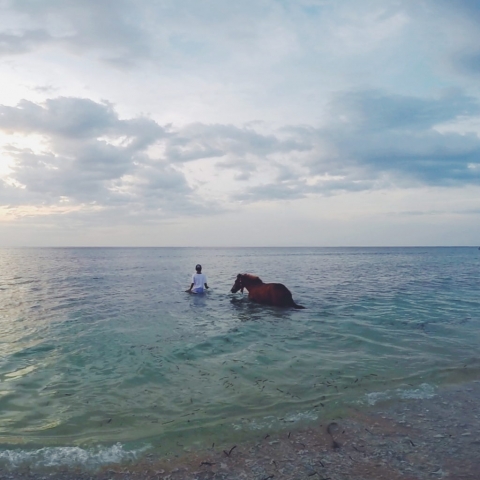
<point>199,281</point>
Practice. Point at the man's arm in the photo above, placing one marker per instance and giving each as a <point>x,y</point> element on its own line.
<point>190,289</point>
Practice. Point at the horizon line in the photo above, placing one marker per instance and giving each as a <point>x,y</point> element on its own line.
<point>239,246</point>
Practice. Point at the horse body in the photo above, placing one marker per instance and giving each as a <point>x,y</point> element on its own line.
<point>275,294</point>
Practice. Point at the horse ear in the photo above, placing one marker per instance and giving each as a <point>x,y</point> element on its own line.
<point>239,275</point>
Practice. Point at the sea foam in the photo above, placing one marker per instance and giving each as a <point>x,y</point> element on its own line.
<point>90,458</point>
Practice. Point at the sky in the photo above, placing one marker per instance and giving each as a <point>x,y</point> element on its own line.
<point>252,123</point>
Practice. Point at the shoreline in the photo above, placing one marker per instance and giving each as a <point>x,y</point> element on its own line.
<point>409,439</point>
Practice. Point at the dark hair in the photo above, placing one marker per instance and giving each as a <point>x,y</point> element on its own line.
<point>198,267</point>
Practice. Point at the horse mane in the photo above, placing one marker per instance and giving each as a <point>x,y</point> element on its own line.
<point>252,278</point>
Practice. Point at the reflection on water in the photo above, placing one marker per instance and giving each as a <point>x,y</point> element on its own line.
<point>104,345</point>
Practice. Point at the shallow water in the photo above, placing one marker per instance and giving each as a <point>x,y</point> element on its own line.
<point>104,357</point>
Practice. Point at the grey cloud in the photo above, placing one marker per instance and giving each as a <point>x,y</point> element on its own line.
<point>199,141</point>
<point>122,32</point>
<point>12,44</point>
<point>113,27</point>
<point>196,34</point>
<point>48,177</point>
<point>74,117</point>
<point>91,157</point>
<point>245,169</point>
<point>376,140</point>
<point>67,120</point>
<point>300,188</point>
<point>372,140</point>
<point>243,176</point>
<point>373,109</point>
<point>273,191</point>
<point>409,213</point>
<point>177,35</point>
<point>467,62</point>
<point>469,8</point>
<point>150,186</point>
<point>458,20</point>
<point>432,159</point>
<point>44,89</point>
<point>155,181</point>
<point>239,149</point>
<point>395,134</point>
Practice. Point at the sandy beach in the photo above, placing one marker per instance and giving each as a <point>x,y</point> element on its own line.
<point>438,437</point>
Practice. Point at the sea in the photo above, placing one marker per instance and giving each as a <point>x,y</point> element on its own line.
<point>105,359</point>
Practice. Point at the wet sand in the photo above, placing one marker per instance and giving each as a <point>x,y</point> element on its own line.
<point>434,438</point>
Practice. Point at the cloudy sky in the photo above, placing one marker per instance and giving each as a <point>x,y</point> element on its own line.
<point>259,122</point>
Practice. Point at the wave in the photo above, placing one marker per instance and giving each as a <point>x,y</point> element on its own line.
<point>91,458</point>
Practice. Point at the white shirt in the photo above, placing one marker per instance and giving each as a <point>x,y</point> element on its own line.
<point>199,280</point>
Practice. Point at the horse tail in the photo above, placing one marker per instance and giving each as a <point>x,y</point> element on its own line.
<point>298,306</point>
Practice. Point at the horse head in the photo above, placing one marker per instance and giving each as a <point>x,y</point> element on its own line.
<point>238,285</point>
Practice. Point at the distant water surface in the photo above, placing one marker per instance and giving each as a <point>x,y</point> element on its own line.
<point>104,357</point>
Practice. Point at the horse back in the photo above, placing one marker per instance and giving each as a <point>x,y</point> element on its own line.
<point>275,294</point>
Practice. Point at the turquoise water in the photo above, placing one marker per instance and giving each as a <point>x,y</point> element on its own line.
<point>104,357</point>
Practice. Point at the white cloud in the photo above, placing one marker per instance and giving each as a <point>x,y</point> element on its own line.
<point>80,166</point>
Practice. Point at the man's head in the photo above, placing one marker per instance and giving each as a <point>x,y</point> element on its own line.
<point>198,268</point>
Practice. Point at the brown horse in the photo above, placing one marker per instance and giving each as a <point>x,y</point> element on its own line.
<point>275,294</point>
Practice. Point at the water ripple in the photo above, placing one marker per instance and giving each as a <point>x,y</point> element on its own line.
<point>103,345</point>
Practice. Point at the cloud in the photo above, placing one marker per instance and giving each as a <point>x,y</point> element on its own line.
<point>197,141</point>
<point>65,118</point>
<point>73,117</point>
<point>14,44</point>
<point>371,140</point>
<point>273,191</point>
<point>467,8</point>
<point>377,110</point>
<point>90,157</point>
<point>448,36</point>
<point>468,62</point>
<point>124,32</point>
<point>395,135</point>
<point>374,140</point>
<point>110,28</point>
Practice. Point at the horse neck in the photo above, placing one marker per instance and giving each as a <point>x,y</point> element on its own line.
<point>250,283</point>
